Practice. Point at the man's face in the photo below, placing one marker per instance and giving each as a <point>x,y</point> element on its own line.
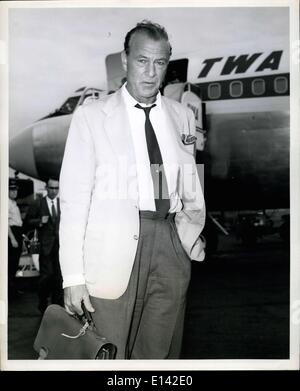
<point>146,66</point>
<point>52,188</point>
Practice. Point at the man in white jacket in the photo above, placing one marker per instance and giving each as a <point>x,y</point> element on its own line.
<point>132,207</point>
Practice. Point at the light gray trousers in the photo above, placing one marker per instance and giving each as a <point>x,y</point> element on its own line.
<point>146,322</point>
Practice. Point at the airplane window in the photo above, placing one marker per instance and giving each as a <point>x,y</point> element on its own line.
<point>236,89</point>
<point>280,85</point>
<point>258,87</point>
<point>214,91</point>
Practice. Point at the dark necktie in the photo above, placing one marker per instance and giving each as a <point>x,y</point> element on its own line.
<point>53,211</point>
<point>160,186</point>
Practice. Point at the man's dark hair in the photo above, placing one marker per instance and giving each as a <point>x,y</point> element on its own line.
<point>152,30</point>
<point>50,179</point>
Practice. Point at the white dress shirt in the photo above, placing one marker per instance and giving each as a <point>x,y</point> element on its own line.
<point>137,126</point>
<point>14,214</point>
<point>49,202</point>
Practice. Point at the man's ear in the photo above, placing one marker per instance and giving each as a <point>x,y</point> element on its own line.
<point>124,60</point>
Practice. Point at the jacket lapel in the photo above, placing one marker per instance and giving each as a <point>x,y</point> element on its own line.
<point>117,128</point>
<point>45,209</point>
<point>57,211</point>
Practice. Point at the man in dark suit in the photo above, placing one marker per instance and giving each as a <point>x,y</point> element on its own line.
<point>44,215</point>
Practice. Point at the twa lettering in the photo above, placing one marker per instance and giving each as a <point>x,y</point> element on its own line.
<point>240,64</point>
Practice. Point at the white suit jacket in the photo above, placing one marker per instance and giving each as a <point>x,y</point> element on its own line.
<point>99,226</point>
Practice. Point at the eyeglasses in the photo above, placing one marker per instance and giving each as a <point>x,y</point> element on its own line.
<point>53,188</point>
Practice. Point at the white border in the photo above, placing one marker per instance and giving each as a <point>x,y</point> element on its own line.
<point>293,362</point>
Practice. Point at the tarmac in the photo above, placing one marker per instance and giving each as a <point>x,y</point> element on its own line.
<point>237,305</point>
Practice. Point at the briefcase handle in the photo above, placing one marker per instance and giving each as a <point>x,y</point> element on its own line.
<point>87,316</point>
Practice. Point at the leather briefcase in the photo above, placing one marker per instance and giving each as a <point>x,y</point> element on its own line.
<point>65,337</point>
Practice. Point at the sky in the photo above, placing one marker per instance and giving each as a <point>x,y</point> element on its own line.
<point>54,51</point>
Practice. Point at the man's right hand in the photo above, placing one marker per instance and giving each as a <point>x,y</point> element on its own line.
<point>74,295</point>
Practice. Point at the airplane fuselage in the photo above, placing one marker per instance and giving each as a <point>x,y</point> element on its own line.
<point>246,155</point>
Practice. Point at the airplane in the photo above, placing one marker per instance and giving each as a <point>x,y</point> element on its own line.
<point>242,116</point>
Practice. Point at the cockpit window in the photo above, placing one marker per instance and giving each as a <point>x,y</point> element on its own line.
<point>69,106</point>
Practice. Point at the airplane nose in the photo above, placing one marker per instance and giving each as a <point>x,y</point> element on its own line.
<point>21,153</point>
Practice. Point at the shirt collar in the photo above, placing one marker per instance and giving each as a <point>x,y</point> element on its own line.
<point>131,102</point>
<point>50,200</point>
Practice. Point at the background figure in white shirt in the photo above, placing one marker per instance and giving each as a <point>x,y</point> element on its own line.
<point>15,240</point>
<point>44,215</point>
